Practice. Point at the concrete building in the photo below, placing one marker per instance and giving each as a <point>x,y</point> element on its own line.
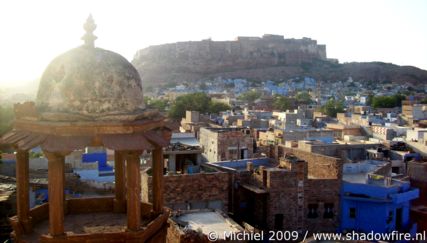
<point>383,133</point>
<point>371,200</point>
<point>413,112</point>
<point>258,114</point>
<point>252,123</point>
<point>301,134</point>
<point>191,123</point>
<point>342,129</point>
<point>270,137</point>
<point>288,119</point>
<point>347,150</point>
<point>416,138</point>
<point>230,118</point>
<point>184,153</point>
<point>416,134</point>
<point>221,144</point>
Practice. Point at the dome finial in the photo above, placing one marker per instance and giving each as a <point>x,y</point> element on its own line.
<point>89,37</point>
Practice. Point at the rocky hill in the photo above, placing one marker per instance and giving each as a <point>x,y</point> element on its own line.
<point>259,58</point>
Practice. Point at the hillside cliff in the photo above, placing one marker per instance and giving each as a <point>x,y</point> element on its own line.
<point>258,58</point>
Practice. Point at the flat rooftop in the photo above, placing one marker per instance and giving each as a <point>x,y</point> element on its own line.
<point>184,138</point>
<point>358,172</point>
<point>223,129</point>
<point>240,165</point>
<point>91,223</point>
<point>210,221</point>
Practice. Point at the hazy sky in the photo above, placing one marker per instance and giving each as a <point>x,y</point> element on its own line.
<point>34,32</point>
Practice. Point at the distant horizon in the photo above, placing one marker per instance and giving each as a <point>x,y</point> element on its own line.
<point>34,33</point>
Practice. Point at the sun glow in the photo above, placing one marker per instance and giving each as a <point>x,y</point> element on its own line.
<point>34,32</point>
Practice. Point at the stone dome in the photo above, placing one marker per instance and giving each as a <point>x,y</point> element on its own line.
<point>88,83</point>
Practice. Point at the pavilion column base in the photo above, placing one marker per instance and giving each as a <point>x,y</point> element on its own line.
<point>53,238</point>
<point>27,225</point>
<point>119,206</point>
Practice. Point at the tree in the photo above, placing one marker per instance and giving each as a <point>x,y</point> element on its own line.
<point>387,101</point>
<point>153,103</point>
<point>195,102</point>
<point>250,96</point>
<point>281,103</point>
<point>216,107</point>
<point>303,98</point>
<point>332,107</point>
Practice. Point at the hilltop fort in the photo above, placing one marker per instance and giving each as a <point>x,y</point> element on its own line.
<point>259,58</point>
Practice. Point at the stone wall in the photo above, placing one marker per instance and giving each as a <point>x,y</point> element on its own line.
<point>417,172</point>
<point>290,194</point>
<point>283,199</point>
<point>319,166</point>
<point>350,151</point>
<point>321,192</point>
<point>202,190</point>
<point>301,135</point>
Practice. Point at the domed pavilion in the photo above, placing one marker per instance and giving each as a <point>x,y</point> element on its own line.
<point>87,97</point>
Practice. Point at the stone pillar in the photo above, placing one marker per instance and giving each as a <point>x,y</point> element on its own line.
<point>158,180</point>
<point>172,163</point>
<point>133,184</point>
<point>22,188</point>
<point>56,182</point>
<point>120,186</point>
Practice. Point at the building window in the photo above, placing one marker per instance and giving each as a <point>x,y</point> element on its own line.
<point>312,211</point>
<point>278,221</point>
<point>352,213</point>
<point>329,211</point>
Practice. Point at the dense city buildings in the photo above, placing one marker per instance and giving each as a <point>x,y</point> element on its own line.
<point>229,139</point>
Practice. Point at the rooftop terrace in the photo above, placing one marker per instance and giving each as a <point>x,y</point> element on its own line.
<point>209,221</point>
<point>240,165</point>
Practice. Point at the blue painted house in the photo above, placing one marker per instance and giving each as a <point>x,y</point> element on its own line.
<point>100,157</point>
<point>373,201</point>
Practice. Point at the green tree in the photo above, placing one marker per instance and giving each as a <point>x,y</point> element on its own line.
<point>195,102</point>
<point>159,104</point>
<point>216,107</point>
<point>332,107</point>
<point>303,98</point>
<point>387,101</point>
<point>250,96</point>
<point>282,103</point>
<point>154,103</point>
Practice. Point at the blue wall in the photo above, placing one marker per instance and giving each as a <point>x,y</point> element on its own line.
<point>376,206</point>
<point>100,157</point>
